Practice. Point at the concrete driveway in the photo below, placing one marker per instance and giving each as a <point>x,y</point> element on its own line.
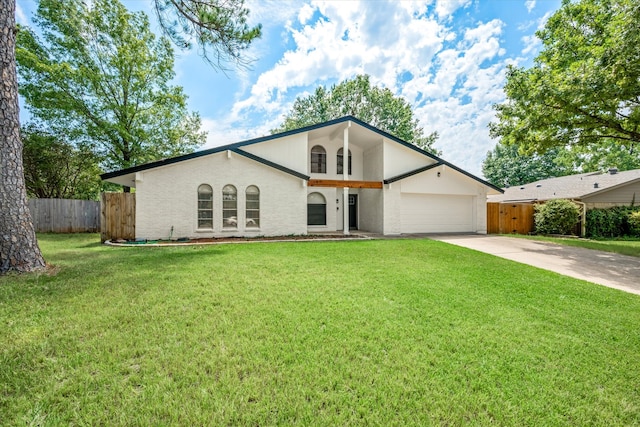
<point>604,268</point>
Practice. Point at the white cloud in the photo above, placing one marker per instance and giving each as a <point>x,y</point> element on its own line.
<point>305,13</point>
<point>531,44</point>
<point>451,76</point>
<point>445,8</point>
<point>530,4</point>
<point>21,17</point>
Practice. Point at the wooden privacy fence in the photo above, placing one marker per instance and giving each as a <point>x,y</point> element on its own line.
<point>510,218</point>
<point>118,216</point>
<point>65,215</point>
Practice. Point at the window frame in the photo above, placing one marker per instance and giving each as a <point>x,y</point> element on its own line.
<point>340,161</point>
<point>209,220</point>
<point>229,207</point>
<point>252,214</point>
<point>315,210</point>
<point>318,159</point>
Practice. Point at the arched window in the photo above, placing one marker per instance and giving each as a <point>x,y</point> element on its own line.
<point>316,209</point>
<point>229,207</point>
<point>205,206</point>
<point>318,159</point>
<point>253,206</point>
<point>340,160</point>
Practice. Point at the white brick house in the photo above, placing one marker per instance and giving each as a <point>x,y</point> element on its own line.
<point>299,182</point>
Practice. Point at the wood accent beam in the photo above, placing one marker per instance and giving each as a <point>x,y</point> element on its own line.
<point>337,183</point>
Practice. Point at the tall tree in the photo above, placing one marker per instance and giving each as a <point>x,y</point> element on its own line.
<point>584,86</point>
<point>55,168</point>
<point>101,77</point>
<point>219,28</point>
<point>357,97</point>
<point>19,250</point>
<point>600,157</point>
<point>506,166</point>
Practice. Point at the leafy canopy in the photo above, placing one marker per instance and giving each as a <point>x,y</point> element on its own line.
<point>219,28</point>
<point>101,77</point>
<point>584,86</point>
<point>505,166</point>
<point>508,165</point>
<point>357,97</point>
<point>54,168</point>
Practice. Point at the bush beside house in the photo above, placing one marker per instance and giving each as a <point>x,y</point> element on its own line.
<point>618,221</point>
<point>557,216</point>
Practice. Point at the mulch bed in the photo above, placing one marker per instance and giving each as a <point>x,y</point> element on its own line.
<point>210,240</point>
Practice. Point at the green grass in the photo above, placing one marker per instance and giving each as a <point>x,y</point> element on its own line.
<point>629,247</point>
<point>389,332</point>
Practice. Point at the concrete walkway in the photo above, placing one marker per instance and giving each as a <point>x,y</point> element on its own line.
<point>604,268</point>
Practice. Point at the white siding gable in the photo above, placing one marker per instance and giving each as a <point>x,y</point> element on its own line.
<point>450,181</point>
<point>399,159</point>
<point>289,151</point>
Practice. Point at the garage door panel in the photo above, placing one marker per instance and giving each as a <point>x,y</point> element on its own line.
<point>435,213</point>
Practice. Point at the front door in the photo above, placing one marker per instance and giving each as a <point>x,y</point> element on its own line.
<point>353,211</point>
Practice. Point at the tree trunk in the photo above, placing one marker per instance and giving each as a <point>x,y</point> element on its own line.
<point>19,249</point>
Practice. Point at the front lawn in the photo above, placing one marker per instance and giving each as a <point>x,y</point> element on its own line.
<point>629,247</point>
<point>389,332</point>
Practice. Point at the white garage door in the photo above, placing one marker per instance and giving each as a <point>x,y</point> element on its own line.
<point>434,213</point>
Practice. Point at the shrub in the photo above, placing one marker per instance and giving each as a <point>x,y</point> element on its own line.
<point>634,223</point>
<point>558,216</point>
<point>611,222</point>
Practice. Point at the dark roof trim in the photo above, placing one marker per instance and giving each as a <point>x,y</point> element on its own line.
<point>289,133</point>
<point>270,163</point>
<point>421,151</point>
<point>411,173</point>
<point>195,155</point>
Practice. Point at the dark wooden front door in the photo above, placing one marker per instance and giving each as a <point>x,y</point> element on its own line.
<point>353,211</point>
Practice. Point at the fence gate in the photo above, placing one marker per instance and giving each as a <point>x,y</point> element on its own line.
<point>510,218</point>
<point>117,216</point>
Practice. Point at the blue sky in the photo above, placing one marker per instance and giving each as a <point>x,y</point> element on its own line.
<point>445,57</point>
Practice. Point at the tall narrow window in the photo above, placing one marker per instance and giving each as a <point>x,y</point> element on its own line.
<point>318,159</point>
<point>229,207</point>
<point>253,206</point>
<point>316,209</point>
<point>340,169</point>
<point>205,206</point>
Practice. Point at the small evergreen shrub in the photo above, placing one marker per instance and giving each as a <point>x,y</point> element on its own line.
<point>634,223</point>
<point>558,216</point>
<point>611,222</point>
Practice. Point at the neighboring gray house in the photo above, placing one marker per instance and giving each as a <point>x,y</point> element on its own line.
<point>595,189</point>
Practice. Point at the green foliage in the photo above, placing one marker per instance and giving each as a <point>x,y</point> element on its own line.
<point>557,216</point>
<point>506,166</point>
<point>612,222</point>
<point>54,168</point>
<point>509,165</point>
<point>634,223</point>
<point>357,97</point>
<point>219,28</point>
<point>99,76</point>
<point>583,87</point>
<point>599,157</point>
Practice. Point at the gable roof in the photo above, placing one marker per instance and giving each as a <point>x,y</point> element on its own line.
<point>578,186</point>
<point>236,147</point>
